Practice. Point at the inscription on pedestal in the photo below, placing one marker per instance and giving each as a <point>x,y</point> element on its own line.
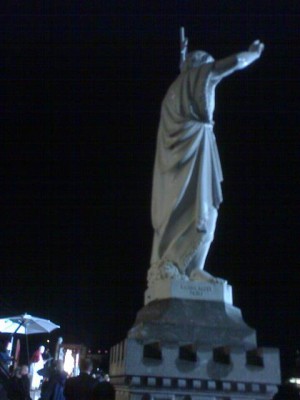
<point>195,291</point>
<point>189,290</point>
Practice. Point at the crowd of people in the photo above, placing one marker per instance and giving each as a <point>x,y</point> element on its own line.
<point>48,377</point>
<point>58,386</point>
<point>18,384</point>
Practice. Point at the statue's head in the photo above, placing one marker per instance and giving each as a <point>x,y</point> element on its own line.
<point>195,59</point>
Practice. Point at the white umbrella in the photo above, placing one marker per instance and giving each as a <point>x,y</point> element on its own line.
<point>7,326</point>
<point>26,324</point>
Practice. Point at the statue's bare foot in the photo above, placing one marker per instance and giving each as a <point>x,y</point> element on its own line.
<point>203,276</point>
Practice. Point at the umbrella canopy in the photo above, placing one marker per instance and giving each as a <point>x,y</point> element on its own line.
<point>26,324</point>
<point>7,326</point>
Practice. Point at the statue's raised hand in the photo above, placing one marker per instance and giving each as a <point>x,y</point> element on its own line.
<point>257,47</point>
<point>245,58</point>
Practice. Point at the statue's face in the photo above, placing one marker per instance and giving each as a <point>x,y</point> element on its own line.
<point>196,59</point>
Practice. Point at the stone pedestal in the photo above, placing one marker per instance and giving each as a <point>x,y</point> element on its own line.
<point>199,322</point>
<point>190,342</point>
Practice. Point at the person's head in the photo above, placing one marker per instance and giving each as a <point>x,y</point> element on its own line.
<point>86,365</point>
<point>103,391</point>
<point>24,370</point>
<point>195,59</point>
<point>4,345</point>
<point>42,349</point>
<point>8,345</point>
<point>18,372</point>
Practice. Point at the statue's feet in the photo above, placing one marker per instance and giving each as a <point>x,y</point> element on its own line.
<point>169,271</point>
<point>165,272</point>
<point>203,276</point>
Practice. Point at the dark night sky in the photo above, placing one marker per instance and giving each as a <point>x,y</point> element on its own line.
<point>82,84</point>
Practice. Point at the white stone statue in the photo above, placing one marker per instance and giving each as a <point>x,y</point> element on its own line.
<point>187,172</point>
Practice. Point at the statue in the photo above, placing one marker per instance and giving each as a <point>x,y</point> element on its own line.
<point>186,191</point>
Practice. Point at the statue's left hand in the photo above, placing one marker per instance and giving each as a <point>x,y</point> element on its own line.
<point>184,47</point>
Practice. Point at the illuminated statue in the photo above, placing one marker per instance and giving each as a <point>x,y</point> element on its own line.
<point>187,173</point>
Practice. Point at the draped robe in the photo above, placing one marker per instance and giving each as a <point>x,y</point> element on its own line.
<point>187,171</point>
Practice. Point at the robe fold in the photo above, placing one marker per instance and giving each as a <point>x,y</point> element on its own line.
<point>187,170</point>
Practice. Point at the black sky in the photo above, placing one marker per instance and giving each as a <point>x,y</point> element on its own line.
<point>82,84</point>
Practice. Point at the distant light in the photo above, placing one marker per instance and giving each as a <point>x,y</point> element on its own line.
<point>99,351</point>
<point>48,341</point>
<point>106,351</point>
<point>69,362</point>
<point>295,381</point>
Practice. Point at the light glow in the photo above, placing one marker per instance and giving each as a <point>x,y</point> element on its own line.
<point>295,381</point>
<point>69,362</point>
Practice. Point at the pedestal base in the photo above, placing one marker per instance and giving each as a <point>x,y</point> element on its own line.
<point>200,322</point>
<point>193,348</point>
<point>161,373</point>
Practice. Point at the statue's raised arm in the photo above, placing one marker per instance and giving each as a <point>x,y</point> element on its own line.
<point>238,61</point>
<point>183,47</point>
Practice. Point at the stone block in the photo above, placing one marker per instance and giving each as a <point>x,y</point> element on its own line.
<point>189,291</point>
<point>201,322</point>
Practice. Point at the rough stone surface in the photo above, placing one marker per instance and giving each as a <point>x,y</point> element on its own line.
<point>173,321</point>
